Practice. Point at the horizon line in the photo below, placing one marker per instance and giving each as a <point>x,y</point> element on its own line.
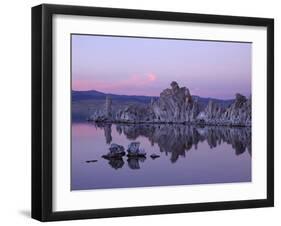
<point>247,96</point>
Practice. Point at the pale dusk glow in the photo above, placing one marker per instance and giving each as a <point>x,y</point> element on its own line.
<point>145,66</point>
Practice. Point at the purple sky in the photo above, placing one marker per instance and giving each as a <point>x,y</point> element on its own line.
<point>144,66</point>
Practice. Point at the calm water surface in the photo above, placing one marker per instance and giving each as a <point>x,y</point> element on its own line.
<point>188,155</point>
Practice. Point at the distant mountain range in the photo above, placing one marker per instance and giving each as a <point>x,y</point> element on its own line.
<point>96,95</point>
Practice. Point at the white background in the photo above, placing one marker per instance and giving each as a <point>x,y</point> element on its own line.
<point>15,116</point>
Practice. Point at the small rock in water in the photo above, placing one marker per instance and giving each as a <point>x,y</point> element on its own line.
<point>89,161</point>
<point>154,156</point>
<point>116,148</point>
<point>133,147</point>
<point>115,151</point>
<point>135,150</point>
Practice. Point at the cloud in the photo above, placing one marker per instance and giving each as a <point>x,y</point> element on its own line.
<point>151,77</point>
<point>134,82</point>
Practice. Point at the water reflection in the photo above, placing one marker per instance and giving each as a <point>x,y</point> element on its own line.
<point>187,155</point>
<point>107,133</point>
<point>116,163</point>
<point>177,139</point>
<point>134,162</point>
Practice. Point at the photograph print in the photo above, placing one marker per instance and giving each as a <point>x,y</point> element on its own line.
<point>159,112</point>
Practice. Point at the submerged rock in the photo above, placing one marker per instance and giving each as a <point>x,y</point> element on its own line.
<point>90,161</point>
<point>154,156</point>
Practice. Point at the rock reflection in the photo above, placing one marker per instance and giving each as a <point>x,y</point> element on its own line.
<point>134,162</point>
<point>177,139</point>
<point>116,163</point>
<point>107,131</point>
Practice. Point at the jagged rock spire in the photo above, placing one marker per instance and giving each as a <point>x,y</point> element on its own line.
<point>108,103</point>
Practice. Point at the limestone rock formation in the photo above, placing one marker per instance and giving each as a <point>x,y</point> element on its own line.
<point>115,151</point>
<point>237,114</point>
<point>135,114</point>
<point>98,116</point>
<point>176,105</point>
<point>108,103</point>
<point>116,148</point>
<point>103,115</point>
<point>240,112</point>
<point>134,150</point>
<point>211,114</point>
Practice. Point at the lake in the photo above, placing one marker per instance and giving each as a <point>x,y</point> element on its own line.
<point>188,155</point>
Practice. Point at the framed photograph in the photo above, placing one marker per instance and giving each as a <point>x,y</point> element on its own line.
<point>139,112</point>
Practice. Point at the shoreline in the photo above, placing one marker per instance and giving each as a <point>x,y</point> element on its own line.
<point>167,123</point>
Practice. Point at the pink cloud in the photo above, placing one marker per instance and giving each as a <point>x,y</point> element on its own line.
<point>151,77</point>
<point>132,83</point>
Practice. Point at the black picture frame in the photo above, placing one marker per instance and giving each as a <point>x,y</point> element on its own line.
<point>42,106</point>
